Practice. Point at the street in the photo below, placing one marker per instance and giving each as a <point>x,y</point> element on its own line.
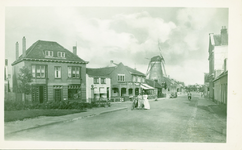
<point>168,120</point>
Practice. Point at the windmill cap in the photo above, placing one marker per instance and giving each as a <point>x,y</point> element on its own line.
<point>156,58</point>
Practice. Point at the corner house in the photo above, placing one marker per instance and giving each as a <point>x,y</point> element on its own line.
<point>57,73</point>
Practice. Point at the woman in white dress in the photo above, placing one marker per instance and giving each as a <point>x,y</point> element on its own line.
<point>146,102</point>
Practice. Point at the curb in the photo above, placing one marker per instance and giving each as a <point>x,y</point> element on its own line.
<point>69,120</point>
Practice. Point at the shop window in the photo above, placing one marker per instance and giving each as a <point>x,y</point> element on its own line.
<point>74,94</point>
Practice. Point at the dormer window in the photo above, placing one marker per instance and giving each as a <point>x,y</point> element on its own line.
<point>61,54</point>
<point>49,53</point>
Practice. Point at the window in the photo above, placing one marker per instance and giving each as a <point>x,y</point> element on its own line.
<point>139,79</point>
<point>61,54</point>
<point>38,71</point>
<point>74,94</point>
<point>49,53</point>
<point>96,80</point>
<point>57,72</point>
<point>134,78</point>
<point>121,77</point>
<point>103,81</point>
<point>73,72</point>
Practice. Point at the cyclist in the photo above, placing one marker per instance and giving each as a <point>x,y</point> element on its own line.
<point>189,96</point>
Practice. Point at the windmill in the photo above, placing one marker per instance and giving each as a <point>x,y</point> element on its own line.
<point>156,69</point>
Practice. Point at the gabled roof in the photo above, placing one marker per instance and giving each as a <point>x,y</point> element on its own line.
<point>133,71</point>
<point>105,71</point>
<point>219,39</point>
<point>100,71</point>
<point>37,52</point>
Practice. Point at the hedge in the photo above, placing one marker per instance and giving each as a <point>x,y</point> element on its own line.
<point>20,105</point>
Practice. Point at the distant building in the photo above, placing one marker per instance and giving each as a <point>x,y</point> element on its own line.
<point>218,54</point>
<point>6,77</point>
<point>206,85</point>
<point>57,73</point>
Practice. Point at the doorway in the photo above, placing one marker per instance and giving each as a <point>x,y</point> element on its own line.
<point>57,95</point>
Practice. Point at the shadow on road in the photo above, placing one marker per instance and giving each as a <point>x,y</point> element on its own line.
<point>219,110</point>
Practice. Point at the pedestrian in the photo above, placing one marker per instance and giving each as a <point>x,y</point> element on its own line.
<point>140,101</point>
<point>134,103</point>
<point>146,102</point>
<point>189,96</point>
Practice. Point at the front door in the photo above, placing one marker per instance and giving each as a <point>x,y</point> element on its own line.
<point>41,94</point>
<point>107,92</point>
<point>57,95</point>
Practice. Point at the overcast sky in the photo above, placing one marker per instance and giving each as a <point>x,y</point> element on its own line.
<point>123,34</point>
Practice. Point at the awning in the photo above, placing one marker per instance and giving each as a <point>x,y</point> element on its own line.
<point>146,87</point>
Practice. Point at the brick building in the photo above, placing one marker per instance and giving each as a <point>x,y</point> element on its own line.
<point>57,73</point>
<point>125,81</point>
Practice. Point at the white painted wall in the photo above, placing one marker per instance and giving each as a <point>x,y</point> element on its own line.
<point>220,53</point>
<point>97,87</point>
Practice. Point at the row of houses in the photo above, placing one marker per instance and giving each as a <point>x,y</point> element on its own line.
<point>59,74</point>
<point>216,81</point>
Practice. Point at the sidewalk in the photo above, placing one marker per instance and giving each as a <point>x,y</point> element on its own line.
<point>205,101</point>
<point>218,109</point>
<point>17,126</point>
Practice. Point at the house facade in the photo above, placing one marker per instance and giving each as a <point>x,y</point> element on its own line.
<point>98,84</point>
<point>57,73</point>
<point>125,81</point>
<point>218,53</point>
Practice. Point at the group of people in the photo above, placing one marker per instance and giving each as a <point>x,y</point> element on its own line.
<point>141,102</point>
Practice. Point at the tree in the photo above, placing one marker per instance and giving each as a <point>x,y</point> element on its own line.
<point>24,78</point>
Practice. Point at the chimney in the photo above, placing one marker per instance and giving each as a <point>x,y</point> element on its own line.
<point>224,36</point>
<point>74,50</point>
<point>111,61</point>
<point>17,51</point>
<point>24,46</point>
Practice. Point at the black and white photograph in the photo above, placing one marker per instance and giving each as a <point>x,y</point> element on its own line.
<point>137,74</point>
